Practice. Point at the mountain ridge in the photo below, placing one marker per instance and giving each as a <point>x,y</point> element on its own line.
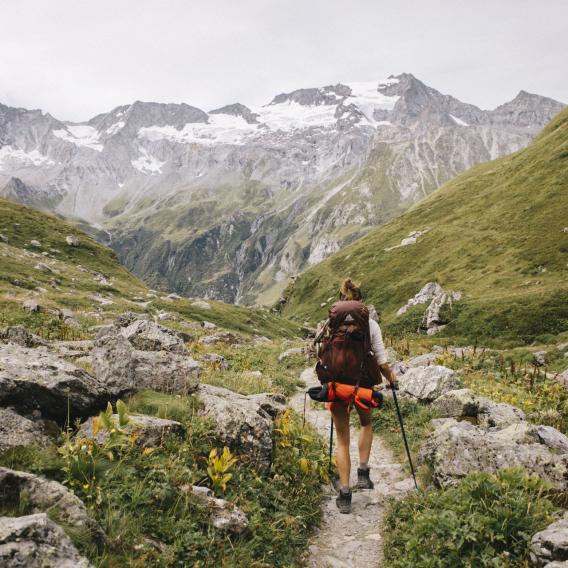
<point>307,173</point>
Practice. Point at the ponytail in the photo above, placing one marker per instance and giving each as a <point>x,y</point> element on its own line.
<point>349,290</point>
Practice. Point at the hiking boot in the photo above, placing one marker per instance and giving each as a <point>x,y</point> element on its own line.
<point>343,501</point>
<point>363,479</point>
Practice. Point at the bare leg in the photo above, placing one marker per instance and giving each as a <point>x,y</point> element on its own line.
<point>365,435</point>
<point>341,422</point>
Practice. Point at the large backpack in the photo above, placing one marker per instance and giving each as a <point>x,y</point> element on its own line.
<point>345,355</point>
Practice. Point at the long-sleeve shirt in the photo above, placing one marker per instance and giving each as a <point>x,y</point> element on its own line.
<point>377,344</point>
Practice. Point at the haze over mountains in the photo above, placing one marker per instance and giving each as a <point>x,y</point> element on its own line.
<point>230,203</point>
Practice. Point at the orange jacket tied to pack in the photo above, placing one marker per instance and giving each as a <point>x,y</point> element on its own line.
<point>363,397</point>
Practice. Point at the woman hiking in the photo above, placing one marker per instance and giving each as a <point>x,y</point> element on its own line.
<point>352,353</point>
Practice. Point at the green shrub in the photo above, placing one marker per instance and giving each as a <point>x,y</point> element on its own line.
<point>486,521</point>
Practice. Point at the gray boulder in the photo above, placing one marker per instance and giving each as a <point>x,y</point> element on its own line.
<point>550,545</point>
<point>456,449</point>
<point>241,423</point>
<point>35,379</point>
<point>270,402</point>
<point>552,438</point>
<point>149,336</point>
<point>72,240</point>
<point>17,431</point>
<point>31,306</point>
<point>19,335</point>
<point>498,415</point>
<point>123,369</point>
<point>149,431</point>
<point>422,360</point>
<point>426,384</point>
<point>457,404</point>
<point>34,541</point>
<point>44,496</point>
<point>226,517</point>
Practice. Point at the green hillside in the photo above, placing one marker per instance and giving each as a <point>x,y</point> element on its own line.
<point>497,233</point>
<point>88,280</point>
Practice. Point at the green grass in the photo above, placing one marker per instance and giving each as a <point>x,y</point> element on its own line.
<point>485,522</point>
<point>74,280</point>
<point>496,234</point>
<point>141,499</point>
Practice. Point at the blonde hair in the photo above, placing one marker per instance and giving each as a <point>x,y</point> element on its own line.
<point>349,290</point>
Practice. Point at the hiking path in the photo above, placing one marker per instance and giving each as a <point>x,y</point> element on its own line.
<point>354,540</point>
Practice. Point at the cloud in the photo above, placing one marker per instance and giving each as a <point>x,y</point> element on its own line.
<point>77,58</point>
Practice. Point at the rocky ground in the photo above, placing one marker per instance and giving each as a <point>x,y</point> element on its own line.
<point>354,540</point>
<point>47,386</point>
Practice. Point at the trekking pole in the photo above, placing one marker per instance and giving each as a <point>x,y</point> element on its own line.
<point>330,447</point>
<point>404,435</point>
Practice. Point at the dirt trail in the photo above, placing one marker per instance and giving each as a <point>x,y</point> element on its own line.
<point>354,540</point>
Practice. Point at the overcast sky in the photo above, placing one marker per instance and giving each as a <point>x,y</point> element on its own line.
<point>77,58</point>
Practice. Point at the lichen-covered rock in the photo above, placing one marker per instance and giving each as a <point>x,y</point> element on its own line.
<point>122,369</point>
<point>44,496</point>
<point>552,438</point>
<point>456,449</point>
<point>498,415</point>
<point>35,379</point>
<point>17,431</point>
<point>19,335</point>
<point>149,431</point>
<point>426,384</point>
<point>422,360</point>
<point>271,402</point>
<point>550,545</point>
<point>226,517</point>
<point>458,403</point>
<point>149,336</point>
<point>241,423</point>
<point>34,541</point>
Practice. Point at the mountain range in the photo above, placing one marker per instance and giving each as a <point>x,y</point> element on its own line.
<point>485,255</point>
<point>231,203</point>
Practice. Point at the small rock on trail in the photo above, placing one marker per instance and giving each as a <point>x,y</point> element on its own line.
<point>355,540</point>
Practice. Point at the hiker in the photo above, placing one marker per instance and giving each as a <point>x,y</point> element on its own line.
<point>352,352</point>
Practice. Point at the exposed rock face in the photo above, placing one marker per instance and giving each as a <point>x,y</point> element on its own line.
<point>42,496</point>
<point>122,369</point>
<point>456,449</point>
<point>426,384</point>
<point>17,431</point>
<point>34,379</point>
<point>549,548</point>
<point>241,422</point>
<point>437,314</point>
<point>150,431</point>
<point>34,541</point>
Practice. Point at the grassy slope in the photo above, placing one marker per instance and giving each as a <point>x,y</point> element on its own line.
<point>74,280</point>
<point>496,233</point>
